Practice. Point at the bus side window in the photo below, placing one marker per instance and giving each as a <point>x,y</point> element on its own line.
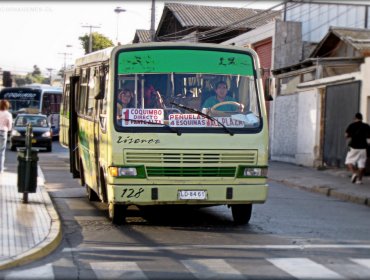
<point>82,97</point>
<point>46,104</point>
<point>93,90</point>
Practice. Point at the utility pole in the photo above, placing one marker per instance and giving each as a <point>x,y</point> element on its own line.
<point>50,70</point>
<point>152,22</point>
<point>90,36</point>
<point>65,54</point>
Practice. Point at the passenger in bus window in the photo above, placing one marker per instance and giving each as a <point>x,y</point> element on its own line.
<point>220,96</point>
<point>124,101</point>
<point>152,98</point>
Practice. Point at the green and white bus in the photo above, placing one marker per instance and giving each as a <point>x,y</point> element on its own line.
<point>165,147</point>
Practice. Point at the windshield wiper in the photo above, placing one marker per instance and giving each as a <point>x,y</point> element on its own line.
<point>203,115</point>
<point>149,122</point>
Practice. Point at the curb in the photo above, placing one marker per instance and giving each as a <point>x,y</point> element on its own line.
<point>327,191</point>
<point>49,244</point>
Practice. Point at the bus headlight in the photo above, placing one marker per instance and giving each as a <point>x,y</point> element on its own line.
<point>252,172</point>
<point>122,171</point>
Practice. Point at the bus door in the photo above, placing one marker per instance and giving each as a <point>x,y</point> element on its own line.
<point>99,127</point>
<point>73,127</point>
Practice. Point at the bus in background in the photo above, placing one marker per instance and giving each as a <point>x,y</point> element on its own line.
<point>144,126</point>
<point>35,99</point>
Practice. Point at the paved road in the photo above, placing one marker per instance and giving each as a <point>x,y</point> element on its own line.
<point>294,235</point>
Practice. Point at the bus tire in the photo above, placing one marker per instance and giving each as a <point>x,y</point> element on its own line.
<point>241,213</point>
<point>117,213</point>
<point>91,194</point>
<point>82,175</point>
<point>103,187</point>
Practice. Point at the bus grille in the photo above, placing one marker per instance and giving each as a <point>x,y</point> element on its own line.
<point>209,157</point>
<point>191,171</point>
<point>180,163</point>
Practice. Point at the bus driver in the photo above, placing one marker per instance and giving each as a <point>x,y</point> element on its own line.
<point>221,96</point>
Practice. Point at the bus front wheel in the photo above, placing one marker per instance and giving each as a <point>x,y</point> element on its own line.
<point>241,213</point>
<point>91,194</point>
<point>117,213</point>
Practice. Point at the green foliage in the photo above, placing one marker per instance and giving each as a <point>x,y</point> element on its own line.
<point>61,72</point>
<point>36,71</point>
<point>99,42</point>
<point>33,77</point>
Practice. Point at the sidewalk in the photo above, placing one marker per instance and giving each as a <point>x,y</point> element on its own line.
<point>33,230</point>
<point>330,182</point>
<point>29,231</point>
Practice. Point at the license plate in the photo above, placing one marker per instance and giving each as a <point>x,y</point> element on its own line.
<point>194,194</point>
<point>33,141</point>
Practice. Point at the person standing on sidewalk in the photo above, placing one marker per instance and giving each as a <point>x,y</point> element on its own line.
<point>358,132</point>
<point>6,121</point>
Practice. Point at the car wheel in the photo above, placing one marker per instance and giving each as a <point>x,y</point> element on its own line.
<point>12,148</point>
<point>49,148</point>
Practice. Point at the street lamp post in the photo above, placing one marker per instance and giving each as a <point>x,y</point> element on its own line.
<point>118,10</point>
<point>65,57</point>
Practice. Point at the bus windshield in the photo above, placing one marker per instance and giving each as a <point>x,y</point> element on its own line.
<point>195,89</point>
<point>22,101</point>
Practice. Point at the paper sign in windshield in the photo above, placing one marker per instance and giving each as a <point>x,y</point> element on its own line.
<point>195,120</point>
<point>187,120</point>
<point>142,117</point>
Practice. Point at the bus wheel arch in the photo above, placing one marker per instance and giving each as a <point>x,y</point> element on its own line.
<point>117,213</point>
<point>82,174</point>
<point>103,185</point>
<point>241,213</point>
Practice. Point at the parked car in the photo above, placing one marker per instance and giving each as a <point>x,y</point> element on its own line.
<point>42,134</point>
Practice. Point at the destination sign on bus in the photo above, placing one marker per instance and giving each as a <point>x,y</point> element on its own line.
<point>21,95</point>
<point>142,117</point>
<point>195,120</point>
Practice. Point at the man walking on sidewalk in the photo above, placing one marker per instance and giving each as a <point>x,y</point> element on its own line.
<point>358,133</point>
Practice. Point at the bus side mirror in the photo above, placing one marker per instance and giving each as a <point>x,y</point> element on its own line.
<point>267,86</point>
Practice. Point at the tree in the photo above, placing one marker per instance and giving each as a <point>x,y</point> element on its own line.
<point>36,71</point>
<point>99,42</point>
<point>34,77</point>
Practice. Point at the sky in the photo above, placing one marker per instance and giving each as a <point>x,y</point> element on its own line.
<point>45,33</point>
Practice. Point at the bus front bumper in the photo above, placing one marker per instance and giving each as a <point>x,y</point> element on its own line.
<point>187,194</point>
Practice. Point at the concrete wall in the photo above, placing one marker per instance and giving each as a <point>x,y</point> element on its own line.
<point>288,43</point>
<point>283,136</point>
<point>296,123</point>
<point>365,90</point>
<point>308,137</point>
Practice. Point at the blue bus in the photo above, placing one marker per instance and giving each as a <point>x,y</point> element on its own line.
<point>35,99</point>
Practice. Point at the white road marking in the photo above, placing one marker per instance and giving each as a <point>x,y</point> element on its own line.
<point>303,268</point>
<point>363,262</point>
<point>211,269</point>
<point>245,247</point>
<point>117,270</point>
<point>40,272</point>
